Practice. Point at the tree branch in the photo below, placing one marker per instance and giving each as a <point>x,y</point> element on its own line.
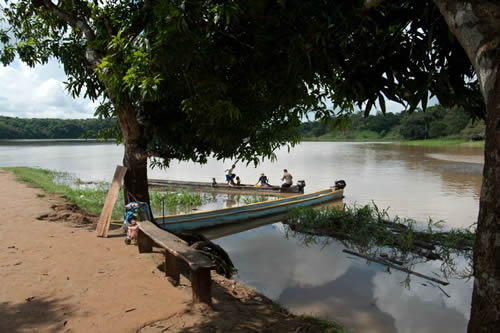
<point>136,29</point>
<point>71,19</point>
<point>372,3</point>
<point>109,29</point>
<point>75,21</point>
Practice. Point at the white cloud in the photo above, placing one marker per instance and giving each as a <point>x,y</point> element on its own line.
<point>39,93</point>
<point>423,308</point>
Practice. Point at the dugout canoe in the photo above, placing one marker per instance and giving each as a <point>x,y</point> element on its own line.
<point>223,187</point>
<point>213,218</point>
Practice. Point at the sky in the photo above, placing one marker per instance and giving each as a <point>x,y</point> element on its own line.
<point>40,93</point>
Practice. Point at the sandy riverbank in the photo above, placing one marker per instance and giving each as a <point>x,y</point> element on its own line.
<point>57,276</point>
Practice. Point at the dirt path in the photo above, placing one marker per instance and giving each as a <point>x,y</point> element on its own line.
<point>60,277</point>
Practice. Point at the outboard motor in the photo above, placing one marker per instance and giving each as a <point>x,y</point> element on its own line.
<point>340,184</point>
<point>301,184</point>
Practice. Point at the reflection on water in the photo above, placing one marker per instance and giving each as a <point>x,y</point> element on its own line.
<point>324,281</point>
<point>414,182</point>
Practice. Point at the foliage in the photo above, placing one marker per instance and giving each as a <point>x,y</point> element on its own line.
<point>370,229</point>
<point>435,122</point>
<point>16,128</point>
<point>323,326</point>
<point>91,197</point>
<point>253,198</point>
<point>201,78</point>
<point>234,79</point>
<point>474,131</point>
<point>174,200</point>
<point>443,143</point>
<point>312,324</point>
<point>88,199</point>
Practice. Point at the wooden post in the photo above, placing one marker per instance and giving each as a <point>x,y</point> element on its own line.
<point>201,283</point>
<point>144,243</point>
<point>105,218</point>
<point>171,268</point>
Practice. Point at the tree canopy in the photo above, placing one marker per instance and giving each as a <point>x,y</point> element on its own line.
<point>187,79</point>
<point>17,128</point>
<point>435,122</point>
<point>232,78</point>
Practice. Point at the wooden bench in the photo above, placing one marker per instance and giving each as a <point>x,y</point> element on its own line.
<point>175,249</point>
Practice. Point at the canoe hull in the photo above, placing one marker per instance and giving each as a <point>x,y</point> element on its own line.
<point>222,187</point>
<point>245,213</point>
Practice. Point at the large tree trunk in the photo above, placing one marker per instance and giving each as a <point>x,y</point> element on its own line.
<point>476,24</point>
<point>135,157</point>
<point>485,312</point>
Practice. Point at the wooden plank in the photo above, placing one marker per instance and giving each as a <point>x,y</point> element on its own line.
<point>107,210</point>
<point>144,242</point>
<point>171,268</point>
<point>201,283</point>
<point>176,246</point>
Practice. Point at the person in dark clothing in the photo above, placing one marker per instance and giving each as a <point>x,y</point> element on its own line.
<point>263,181</point>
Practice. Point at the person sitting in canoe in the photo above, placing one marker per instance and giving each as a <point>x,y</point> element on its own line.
<point>287,178</point>
<point>263,181</point>
<point>238,181</point>
<point>231,181</point>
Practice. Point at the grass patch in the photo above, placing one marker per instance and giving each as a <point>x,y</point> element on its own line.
<point>173,200</point>
<point>443,143</point>
<point>316,324</point>
<point>324,326</point>
<point>88,199</point>
<point>368,136</point>
<point>91,199</point>
<point>252,198</point>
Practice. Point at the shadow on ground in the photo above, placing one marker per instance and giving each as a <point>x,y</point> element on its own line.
<point>235,309</point>
<point>35,313</point>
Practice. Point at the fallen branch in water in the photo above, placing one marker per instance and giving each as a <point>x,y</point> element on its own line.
<point>404,269</point>
<point>444,292</point>
<point>368,226</point>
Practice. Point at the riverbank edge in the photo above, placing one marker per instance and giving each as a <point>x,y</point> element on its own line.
<point>309,323</point>
<point>419,143</point>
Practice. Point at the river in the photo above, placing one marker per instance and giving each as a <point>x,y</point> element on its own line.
<point>416,182</point>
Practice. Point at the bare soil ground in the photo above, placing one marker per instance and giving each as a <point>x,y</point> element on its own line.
<point>57,276</point>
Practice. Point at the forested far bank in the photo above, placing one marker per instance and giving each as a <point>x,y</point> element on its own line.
<point>19,128</point>
<point>435,123</point>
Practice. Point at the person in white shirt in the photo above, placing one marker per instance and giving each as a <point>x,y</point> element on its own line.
<point>229,173</point>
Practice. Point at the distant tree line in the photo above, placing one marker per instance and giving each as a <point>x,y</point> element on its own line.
<point>435,122</point>
<point>18,128</point>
